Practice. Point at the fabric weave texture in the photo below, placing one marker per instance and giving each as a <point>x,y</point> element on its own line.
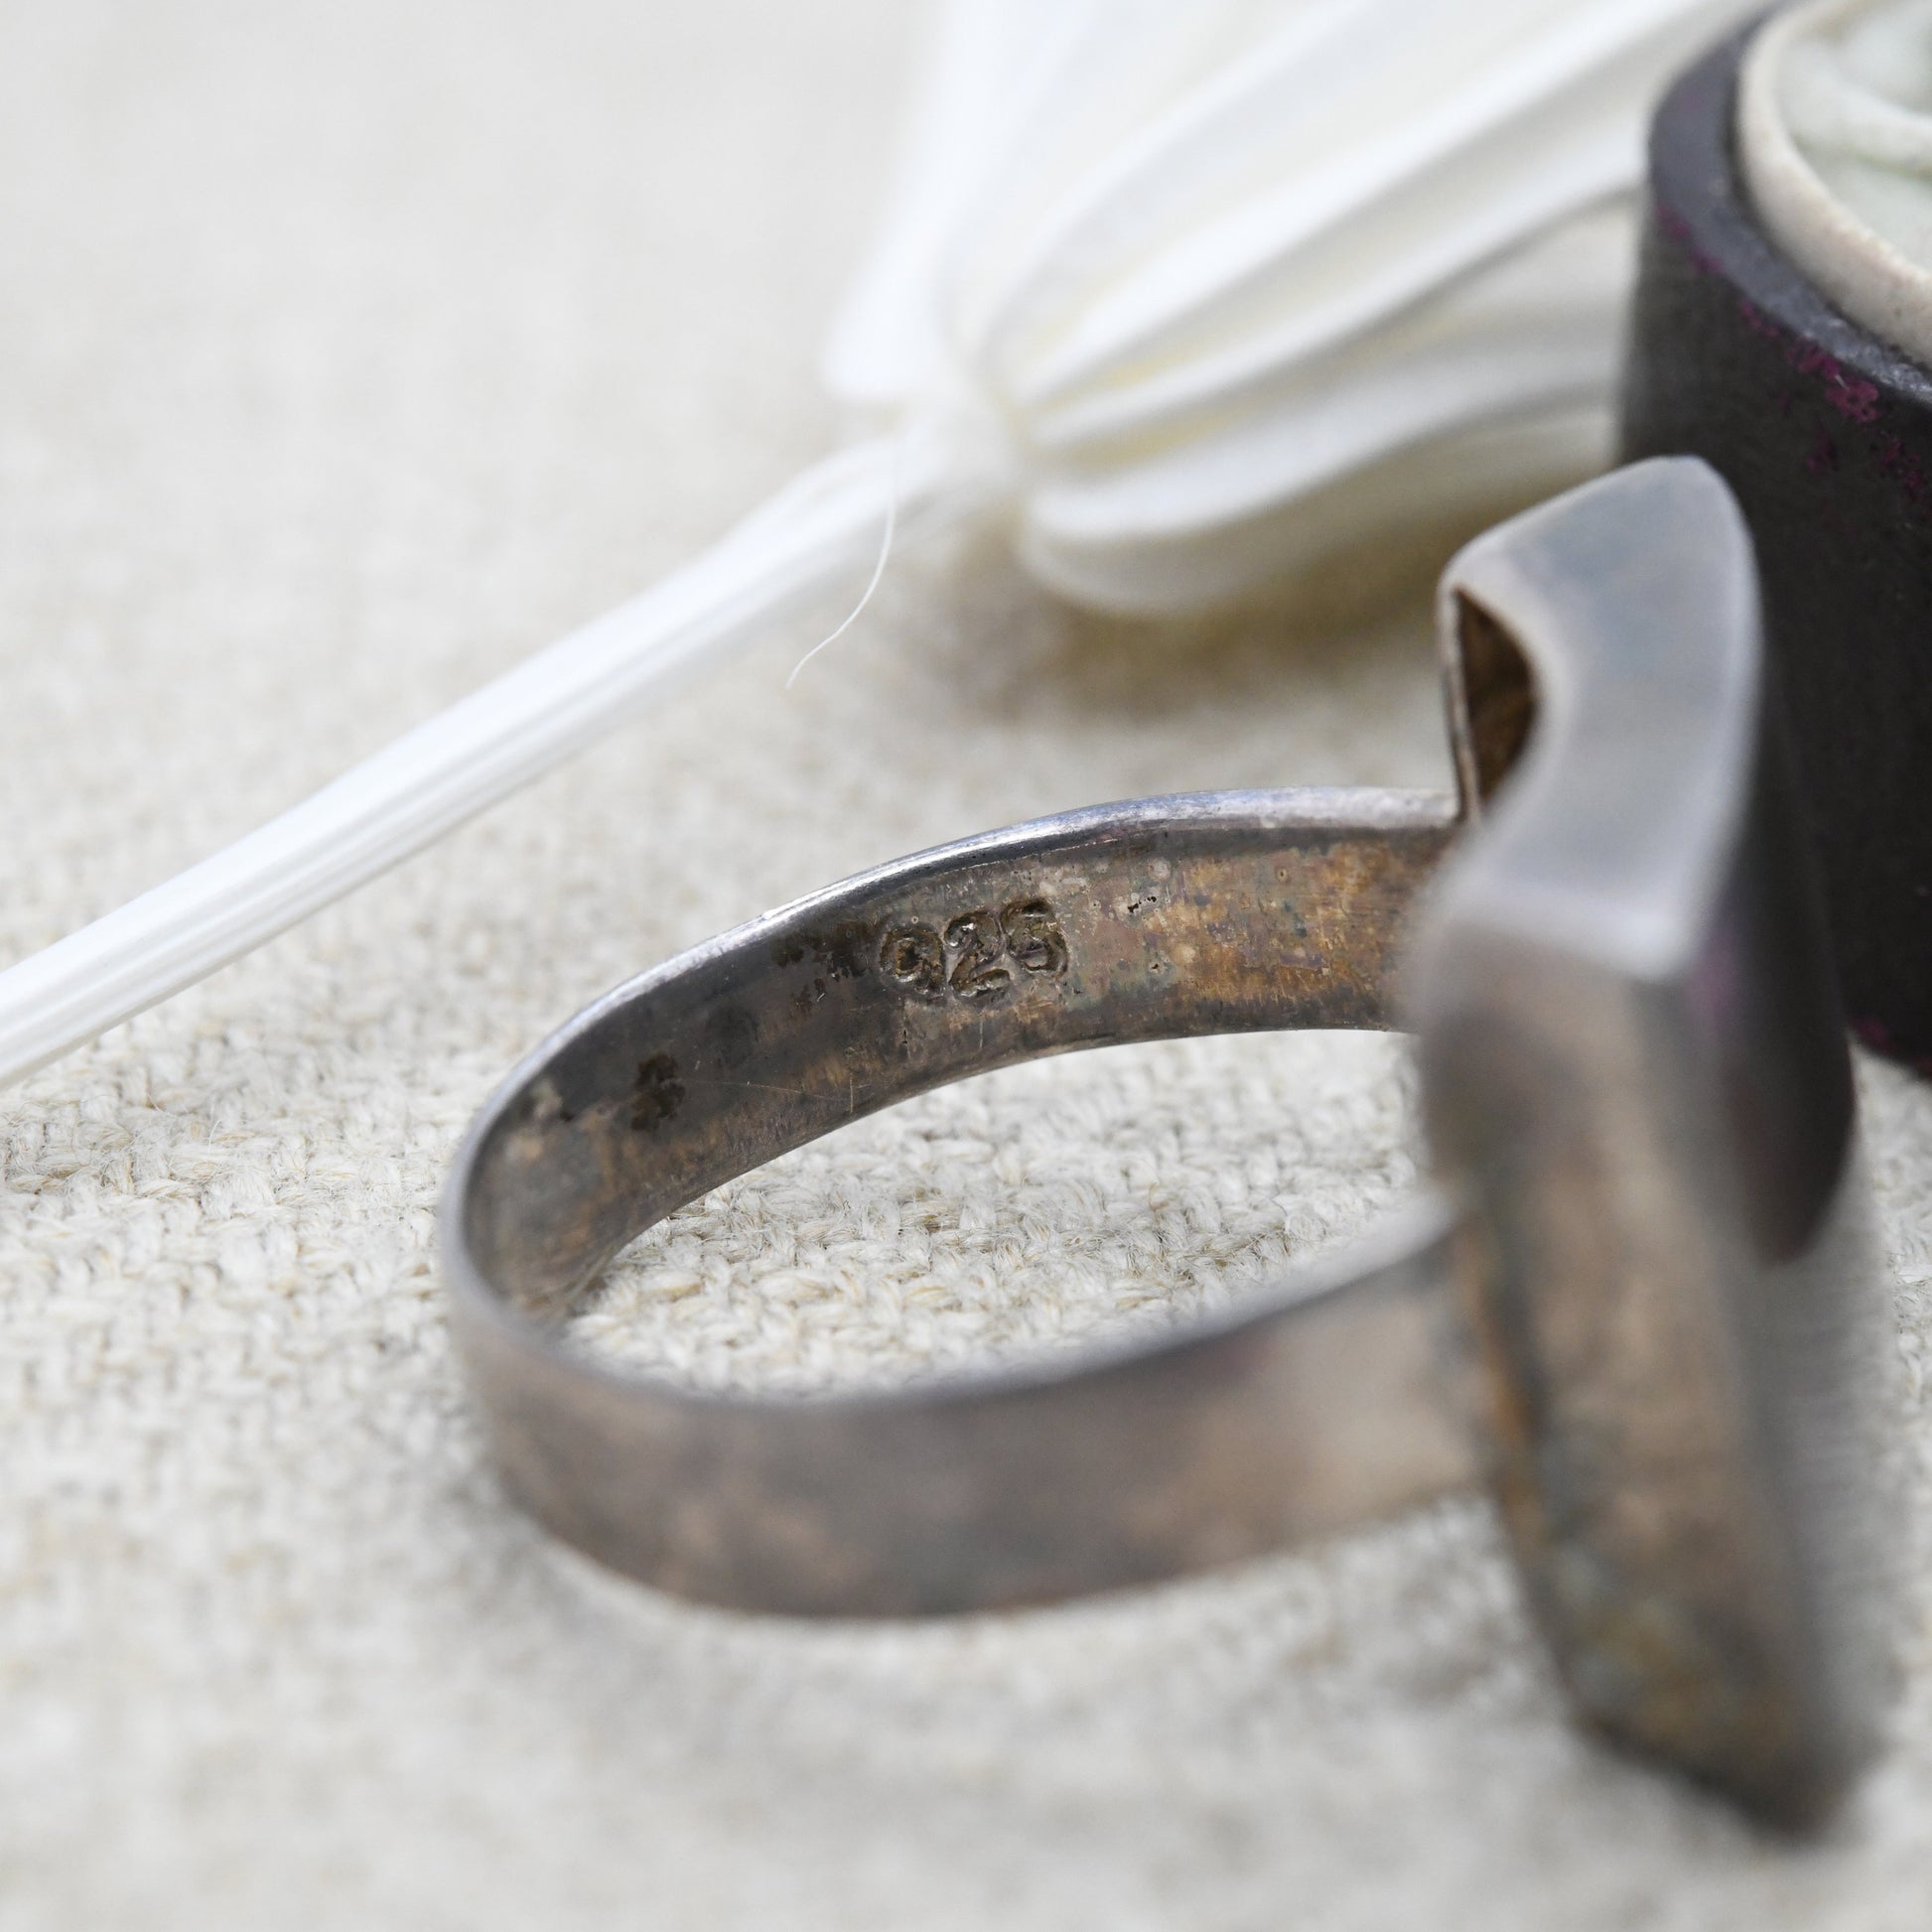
<point>348,353</point>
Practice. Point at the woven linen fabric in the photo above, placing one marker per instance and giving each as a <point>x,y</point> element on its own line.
<point>346,352</point>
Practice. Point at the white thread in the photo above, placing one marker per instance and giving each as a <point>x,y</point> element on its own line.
<point>1835,140</point>
<point>481,749</point>
<point>1231,284</point>
<point>878,569</point>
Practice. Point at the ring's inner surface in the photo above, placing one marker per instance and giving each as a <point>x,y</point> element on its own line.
<point>1236,913</point>
<point>1492,701</point>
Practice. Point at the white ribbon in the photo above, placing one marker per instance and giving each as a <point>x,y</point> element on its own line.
<point>1192,289</point>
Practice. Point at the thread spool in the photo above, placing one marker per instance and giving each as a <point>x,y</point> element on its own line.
<point>1824,431</point>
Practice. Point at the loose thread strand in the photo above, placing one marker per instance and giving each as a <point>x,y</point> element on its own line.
<point>878,569</point>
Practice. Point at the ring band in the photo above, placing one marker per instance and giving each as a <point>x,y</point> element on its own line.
<point>1151,921</point>
<point>1639,1297</point>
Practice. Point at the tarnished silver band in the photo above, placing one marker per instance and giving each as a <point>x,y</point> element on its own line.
<point>1312,1409</point>
<point>1635,1086</point>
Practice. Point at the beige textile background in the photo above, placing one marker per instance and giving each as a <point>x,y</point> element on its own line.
<point>348,351</point>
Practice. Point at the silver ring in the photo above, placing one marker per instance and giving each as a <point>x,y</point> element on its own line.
<point>1639,1297</point>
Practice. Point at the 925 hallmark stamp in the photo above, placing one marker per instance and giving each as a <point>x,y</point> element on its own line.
<point>978,956</point>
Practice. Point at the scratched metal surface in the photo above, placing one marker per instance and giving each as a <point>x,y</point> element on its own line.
<point>1316,1407</point>
<point>346,352</point>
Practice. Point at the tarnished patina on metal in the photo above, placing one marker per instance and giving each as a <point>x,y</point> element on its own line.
<point>1639,1296</point>
<point>1146,921</point>
<point>1634,1068</point>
